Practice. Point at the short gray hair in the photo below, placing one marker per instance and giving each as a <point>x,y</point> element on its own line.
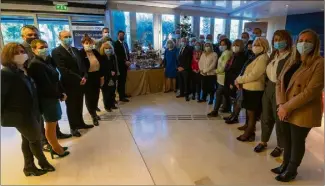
<point>31,27</point>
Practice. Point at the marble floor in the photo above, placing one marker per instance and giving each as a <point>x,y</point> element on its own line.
<point>160,140</point>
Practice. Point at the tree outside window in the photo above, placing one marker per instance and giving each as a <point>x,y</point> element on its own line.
<point>168,27</point>
<point>11,26</point>
<point>144,29</point>
<point>234,29</point>
<point>121,21</point>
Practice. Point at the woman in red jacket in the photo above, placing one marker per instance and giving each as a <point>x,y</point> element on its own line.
<point>196,77</point>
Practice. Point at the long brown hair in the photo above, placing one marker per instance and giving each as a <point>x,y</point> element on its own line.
<point>86,38</point>
<point>8,53</point>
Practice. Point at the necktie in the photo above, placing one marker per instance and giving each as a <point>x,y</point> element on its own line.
<point>181,51</point>
<point>70,51</point>
<point>126,55</point>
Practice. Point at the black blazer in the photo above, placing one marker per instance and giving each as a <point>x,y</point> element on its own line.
<point>72,69</point>
<point>121,56</point>
<point>233,71</point>
<point>185,58</point>
<point>86,61</point>
<point>46,77</point>
<point>109,65</point>
<point>19,102</point>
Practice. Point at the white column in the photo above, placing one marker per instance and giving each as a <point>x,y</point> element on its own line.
<point>212,28</point>
<point>196,26</point>
<point>157,35</point>
<point>133,28</point>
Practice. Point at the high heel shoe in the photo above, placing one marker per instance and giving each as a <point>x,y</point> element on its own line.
<point>65,153</point>
<point>34,172</point>
<point>286,176</point>
<point>244,138</point>
<point>65,148</point>
<point>280,169</point>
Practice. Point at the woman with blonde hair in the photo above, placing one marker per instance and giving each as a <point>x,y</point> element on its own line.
<point>252,81</point>
<point>110,68</point>
<point>207,65</point>
<point>170,64</point>
<point>299,99</point>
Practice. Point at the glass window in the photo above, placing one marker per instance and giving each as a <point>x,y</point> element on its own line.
<point>234,29</point>
<point>168,27</point>
<point>121,21</point>
<point>243,25</point>
<point>205,24</point>
<point>144,29</point>
<point>11,25</point>
<point>219,28</point>
<point>50,28</point>
<point>235,4</point>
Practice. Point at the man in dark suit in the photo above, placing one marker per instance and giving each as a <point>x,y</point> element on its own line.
<point>28,34</point>
<point>105,37</point>
<point>123,59</point>
<point>74,77</point>
<point>184,69</point>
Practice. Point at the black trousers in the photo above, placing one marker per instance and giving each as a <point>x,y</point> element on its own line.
<point>31,146</point>
<point>196,84</point>
<point>92,90</point>
<point>184,82</point>
<point>294,138</point>
<point>109,93</point>
<point>220,98</point>
<point>121,85</point>
<point>74,105</point>
<point>208,86</point>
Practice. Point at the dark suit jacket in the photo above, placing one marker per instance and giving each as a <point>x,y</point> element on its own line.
<point>232,72</point>
<point>109,65</point>
<point>185,58</point>
<point>46,77</point>
<point>72,68</point>
<point>121,56</point>
<point>19,102</point>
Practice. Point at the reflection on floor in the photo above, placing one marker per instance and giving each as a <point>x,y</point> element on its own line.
<point>158,139</point>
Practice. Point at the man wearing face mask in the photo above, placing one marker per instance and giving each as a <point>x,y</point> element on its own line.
<point>257,32</point>
<point>245,38</point>
<point>184,68</point>
<point>105,36</point>
<point>192,42</point>
<point>74,77</point>
<point>123,58</point>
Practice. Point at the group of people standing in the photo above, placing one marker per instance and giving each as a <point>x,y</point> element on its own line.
<point>33,83</point>
<point>282,90</point>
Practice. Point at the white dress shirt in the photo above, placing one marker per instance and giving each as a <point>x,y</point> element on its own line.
<point>273,65</point>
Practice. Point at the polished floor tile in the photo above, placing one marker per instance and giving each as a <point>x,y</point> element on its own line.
<point>159,139</point>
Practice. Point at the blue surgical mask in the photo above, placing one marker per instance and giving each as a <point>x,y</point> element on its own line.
<point>43,52</point>
<point>222,48</point>
<point>305,48</point>
<point>108,51</point>
<point>253,36</point>
<point>208,41</point>
<point>67,41</point>
<point>197,47</point>
<point>280,45</point>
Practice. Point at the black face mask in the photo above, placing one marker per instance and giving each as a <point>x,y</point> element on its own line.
<point>121,38</point>
<point>29,40</point>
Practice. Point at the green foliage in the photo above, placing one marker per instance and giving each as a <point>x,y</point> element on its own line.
<point>185,27</point>
<point>144,28</point>
<point>11,32</point>
<point>119,23</point>
<point>205,29</point>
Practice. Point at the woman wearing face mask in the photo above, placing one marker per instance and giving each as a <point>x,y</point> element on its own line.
<point>50,91</point>
<point>299,99</point>
<point>170,64</point>
<point>196,77</point>
<point>252,81</point>
<point>232,70</point>
<point>93,62</point>
<point>207,66</point>
<point>282,43</point>
<point>225,48</point>
<point>20,108</point>
<point>249,49</point>
<point>110,68</point>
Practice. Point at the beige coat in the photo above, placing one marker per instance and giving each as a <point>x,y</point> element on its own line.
<point>303,97</point>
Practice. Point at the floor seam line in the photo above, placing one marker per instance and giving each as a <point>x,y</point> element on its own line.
<point>145,163</point>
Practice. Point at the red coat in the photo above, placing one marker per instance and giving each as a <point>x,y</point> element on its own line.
<point>195,60</point>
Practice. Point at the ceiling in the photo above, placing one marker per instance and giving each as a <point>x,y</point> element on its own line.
<point>247,9</point>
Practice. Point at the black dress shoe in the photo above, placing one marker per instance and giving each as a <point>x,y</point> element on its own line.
<point>276,152</point>
<point>180,96</point>
<point>232,120</point>
<point>98,118</point>
<point>260,147</point>
<point>95,121</point>
<point>65,153</point>
<point>193,97</point>
<point>124,100</point>
<point>46,147</point>
<point>187,98</point>
<point>75,133</point>
<point>280,170</point>
<point>34,171</point>
<point>47,167</point>
<point>108,110</point>
<point>86,126</point>
<point>98,110</point>
<point>286,176</point>
<point>114,107</point>
<point>213,114</point>
<point>61,135</point>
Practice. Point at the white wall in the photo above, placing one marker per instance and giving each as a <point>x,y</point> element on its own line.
<point>274,23</point>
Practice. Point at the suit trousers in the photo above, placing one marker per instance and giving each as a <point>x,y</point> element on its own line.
<point>92,90</point>
<point>121,85</point>
<point>294,145</point>
<point>208,86</point>
<point>109,94</point>
<point>196,84</point>
<point>269,115</point>
<point>31,145</point>
<point>221,99</point>
<point>184,82</point>
<point>74,105</point>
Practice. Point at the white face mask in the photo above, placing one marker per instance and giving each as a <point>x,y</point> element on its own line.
<point>235,49</point>
<point>20,59</point>
<point>257,49</point>
<point>87,48</point>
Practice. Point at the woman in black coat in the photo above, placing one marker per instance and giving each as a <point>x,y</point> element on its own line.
<point>110,68</point>
<point>50,91</point>
<point>233,69</point>
<point>20,107</point>
<point>93,62</point>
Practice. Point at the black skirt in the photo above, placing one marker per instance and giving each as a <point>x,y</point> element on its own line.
<point>252,100</point>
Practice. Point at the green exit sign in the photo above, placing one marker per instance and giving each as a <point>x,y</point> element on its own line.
<point>61,7</point>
